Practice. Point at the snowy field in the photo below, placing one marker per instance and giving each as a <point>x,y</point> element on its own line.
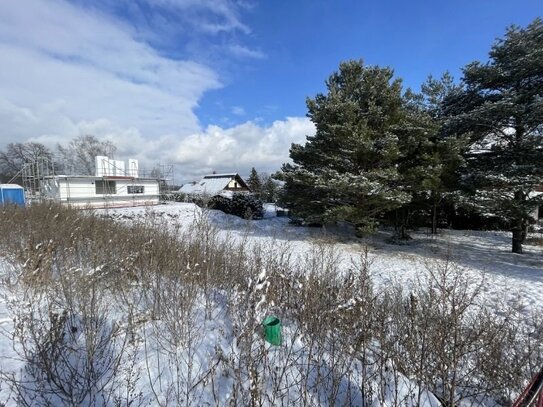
<point>482,254</point>
<point>510,278</point>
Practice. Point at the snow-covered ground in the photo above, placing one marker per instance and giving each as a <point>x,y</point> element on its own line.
<point>507,277</point>
<point>482,254</point>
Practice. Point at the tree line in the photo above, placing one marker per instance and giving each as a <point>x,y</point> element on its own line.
<point>77,157</point>
<point>384,154</point>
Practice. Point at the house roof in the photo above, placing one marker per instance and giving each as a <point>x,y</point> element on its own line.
<point>226,175</point>
<point>212,184</point>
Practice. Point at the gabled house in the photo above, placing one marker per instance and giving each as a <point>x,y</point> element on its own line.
<point>215,184</point>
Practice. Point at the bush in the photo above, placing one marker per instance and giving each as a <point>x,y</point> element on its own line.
<point>174,196</point>
<point>94,300</point>
<point>245,206</point>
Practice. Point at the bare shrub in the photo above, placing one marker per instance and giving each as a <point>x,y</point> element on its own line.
<point>71,349</point>
<point>347,340</point>
<point>449,342</point>
<point>177,371</point>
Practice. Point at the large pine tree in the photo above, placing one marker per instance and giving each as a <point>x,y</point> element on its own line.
<point>501,110</point>
<point>429,156</point>
<point>347,170</point>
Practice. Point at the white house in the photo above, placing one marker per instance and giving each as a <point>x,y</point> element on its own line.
<point>110,187</point>
<point>214,184</point>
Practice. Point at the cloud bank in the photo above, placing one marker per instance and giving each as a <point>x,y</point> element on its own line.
<point>69,70</point>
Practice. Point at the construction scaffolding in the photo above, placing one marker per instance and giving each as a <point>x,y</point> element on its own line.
<point>31,176</point>
<point>164,173</point>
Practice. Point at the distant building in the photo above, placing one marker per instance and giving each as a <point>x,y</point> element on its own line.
<point>112,186</point>
<point>215,184</point>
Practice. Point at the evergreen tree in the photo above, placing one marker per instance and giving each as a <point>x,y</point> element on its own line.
<point>269,189</point>
<point>347,171</point>
<point>501,110</point>
<point>429,156</point>
<point>254,183</point>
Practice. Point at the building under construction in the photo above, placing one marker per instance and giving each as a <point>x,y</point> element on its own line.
<point>113,185</point>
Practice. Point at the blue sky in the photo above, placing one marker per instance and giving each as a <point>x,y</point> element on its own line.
<point>305,40</point>
<point>216,84</point>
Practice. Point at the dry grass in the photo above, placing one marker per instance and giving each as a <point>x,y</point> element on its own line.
<point>151,272</point>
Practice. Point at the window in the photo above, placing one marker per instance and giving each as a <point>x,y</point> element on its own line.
<point>135,189</point>
<point>105,187</point>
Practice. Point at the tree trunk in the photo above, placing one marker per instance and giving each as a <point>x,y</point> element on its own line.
<point>520,229</point>
<point>434,218</point>
<point>402,219</point>
<point>519,236</point>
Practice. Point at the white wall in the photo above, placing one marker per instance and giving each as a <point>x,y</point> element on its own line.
<point>119,167</point>
<point>82,192</point>
<point>132,168</point>
<point>76,188</point>
<point>109,167</point>
<point>100,165</point>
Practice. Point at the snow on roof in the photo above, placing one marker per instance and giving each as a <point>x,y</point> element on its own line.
<point>211,184</point>
<point>207,186</point>
<point>10,186</point>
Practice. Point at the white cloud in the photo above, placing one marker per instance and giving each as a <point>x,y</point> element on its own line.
<point>238,110</point>
<point>79,65</point>
<point>241,147</point>
<point>237,148</point>
<point>211,16</point>
<point>68,71</point>
<point>243,52</point>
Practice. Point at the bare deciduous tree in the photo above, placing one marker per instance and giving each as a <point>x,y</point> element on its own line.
<point>78,156</point>
<point>16,155</point>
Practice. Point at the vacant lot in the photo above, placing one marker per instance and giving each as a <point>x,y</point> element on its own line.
<point>163,306</point>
